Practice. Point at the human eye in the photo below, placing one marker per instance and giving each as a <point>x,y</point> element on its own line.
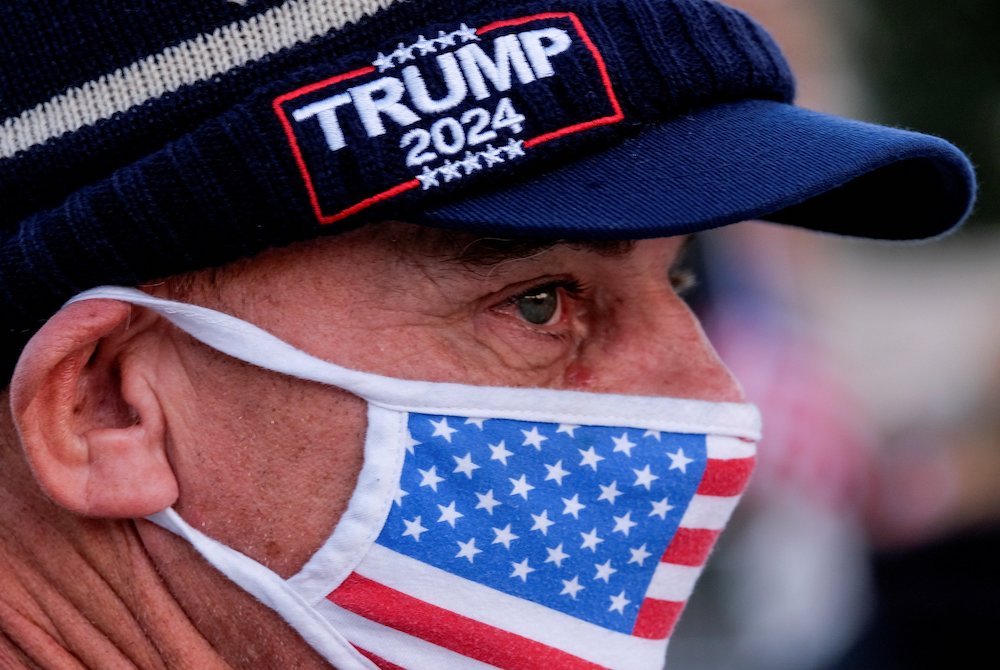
<point>545,306</point>
<point>681,274</point>
<point>683,279</point>
<point>540,307</point>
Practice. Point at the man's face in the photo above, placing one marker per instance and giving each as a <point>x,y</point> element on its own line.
<point>267,463</point>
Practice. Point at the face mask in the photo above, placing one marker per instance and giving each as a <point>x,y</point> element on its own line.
<point>496,527</point>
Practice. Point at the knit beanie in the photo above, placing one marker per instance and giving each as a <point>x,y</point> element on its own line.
<point>143,139</point>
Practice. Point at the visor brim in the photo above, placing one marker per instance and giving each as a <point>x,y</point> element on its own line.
<point>739,161</point>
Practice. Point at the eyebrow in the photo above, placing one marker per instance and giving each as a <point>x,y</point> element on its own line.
<point>491,251</point>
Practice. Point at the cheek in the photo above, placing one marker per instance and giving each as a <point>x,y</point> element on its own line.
<point>654,348</point>
<point>578,376</point>
<point>267,463</point>
<point>520,355</point>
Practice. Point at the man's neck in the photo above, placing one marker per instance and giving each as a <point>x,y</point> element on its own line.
<point>80,592</point>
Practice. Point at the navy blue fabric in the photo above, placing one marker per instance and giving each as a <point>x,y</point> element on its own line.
<point>733,162</point>
<point>57,44</point>
<point>207,174</point>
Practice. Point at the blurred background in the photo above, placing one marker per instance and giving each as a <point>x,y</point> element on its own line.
<point>870,537</point>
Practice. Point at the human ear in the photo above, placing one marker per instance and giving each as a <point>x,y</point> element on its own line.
<point>90,423</point>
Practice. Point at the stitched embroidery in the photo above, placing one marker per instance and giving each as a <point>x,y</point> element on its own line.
<point>437,110</point>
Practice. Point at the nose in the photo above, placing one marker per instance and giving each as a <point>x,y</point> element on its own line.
<point>656,346</point>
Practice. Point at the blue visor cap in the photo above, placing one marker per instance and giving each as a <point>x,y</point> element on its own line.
<point>604,119</point>
<point>752,159</point>
<point>597,119</point>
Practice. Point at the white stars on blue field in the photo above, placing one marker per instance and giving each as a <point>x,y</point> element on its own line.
<point>572,517</point>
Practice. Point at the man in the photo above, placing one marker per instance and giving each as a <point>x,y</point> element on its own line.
<point>477,209</point>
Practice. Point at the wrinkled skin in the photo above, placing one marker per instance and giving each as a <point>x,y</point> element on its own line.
<point>119,415</point>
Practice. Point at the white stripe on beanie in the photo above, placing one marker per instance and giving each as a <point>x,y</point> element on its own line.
<point>203,57</point>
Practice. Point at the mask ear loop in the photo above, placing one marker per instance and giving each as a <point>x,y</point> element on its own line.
<point>271,590</point>
<point>239,339</point>
<point>246,342</point>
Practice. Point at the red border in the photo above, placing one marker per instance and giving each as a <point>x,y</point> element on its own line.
<point>325,219</point>
<point>297,151</point>
<point>601,66</point>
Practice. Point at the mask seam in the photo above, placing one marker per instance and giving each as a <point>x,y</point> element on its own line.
<point>691,428</point>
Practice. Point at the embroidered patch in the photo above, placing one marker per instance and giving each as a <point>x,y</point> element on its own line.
<point>443,107</point>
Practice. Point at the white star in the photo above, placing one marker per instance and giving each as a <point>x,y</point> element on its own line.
<point>445,39</point>
<point>383,62</point>
<point>590,540</point>
<point>655,434</point>
<point>567,428</point>
<point>661,508</point>
<point>500,452</point>
<point>403,52</point>
<point>425,45</point>
<point>623,444</point>
<point>534,438</point>
<point>604,571</point>
<point>487,502</point>
<point>450,171</point>
<point>639,555</point>
<point>492,155</point>
<point>471,163</point>
<point>624,523</point>
<point>678,461</point>
<point>573,506</point>
<point>449,514</point>
<point>466,34</point>
<point>465,465</point>
<point>409,442</point>
<point>556,473</point>
<point>398,497</point>
<point>521,486</point>
<point>542,522</point>
<point>571,587</point>
<point>618,603</point>
<point>468,550</point>
<point>478,423</point>
<point>590,457</point>
<point>430,478</point>
<point>442,429</point>
<point>556,555</point>
<point>644,477</point>
<point>609,493</point>
<point>428,178</point>
<point>514,148</point>
<point>521,570</point>
<point>413,529</point>
<point>504,536</point>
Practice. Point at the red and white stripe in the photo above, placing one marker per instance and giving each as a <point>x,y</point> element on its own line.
<point>403,613</point>
<point>730,463</point>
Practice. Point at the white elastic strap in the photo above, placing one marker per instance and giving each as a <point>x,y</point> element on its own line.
<point>253,345</point>
<point>271,590</point>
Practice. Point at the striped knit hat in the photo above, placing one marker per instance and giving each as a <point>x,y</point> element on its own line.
<point>146,138</point>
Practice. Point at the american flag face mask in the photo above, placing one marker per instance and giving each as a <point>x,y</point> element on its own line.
<point>496,527</point>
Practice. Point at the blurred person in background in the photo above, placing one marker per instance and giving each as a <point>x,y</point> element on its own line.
<point>932,330</point>
<point>873,504</point>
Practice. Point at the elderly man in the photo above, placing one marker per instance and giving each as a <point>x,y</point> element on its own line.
<point>407,381</point>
